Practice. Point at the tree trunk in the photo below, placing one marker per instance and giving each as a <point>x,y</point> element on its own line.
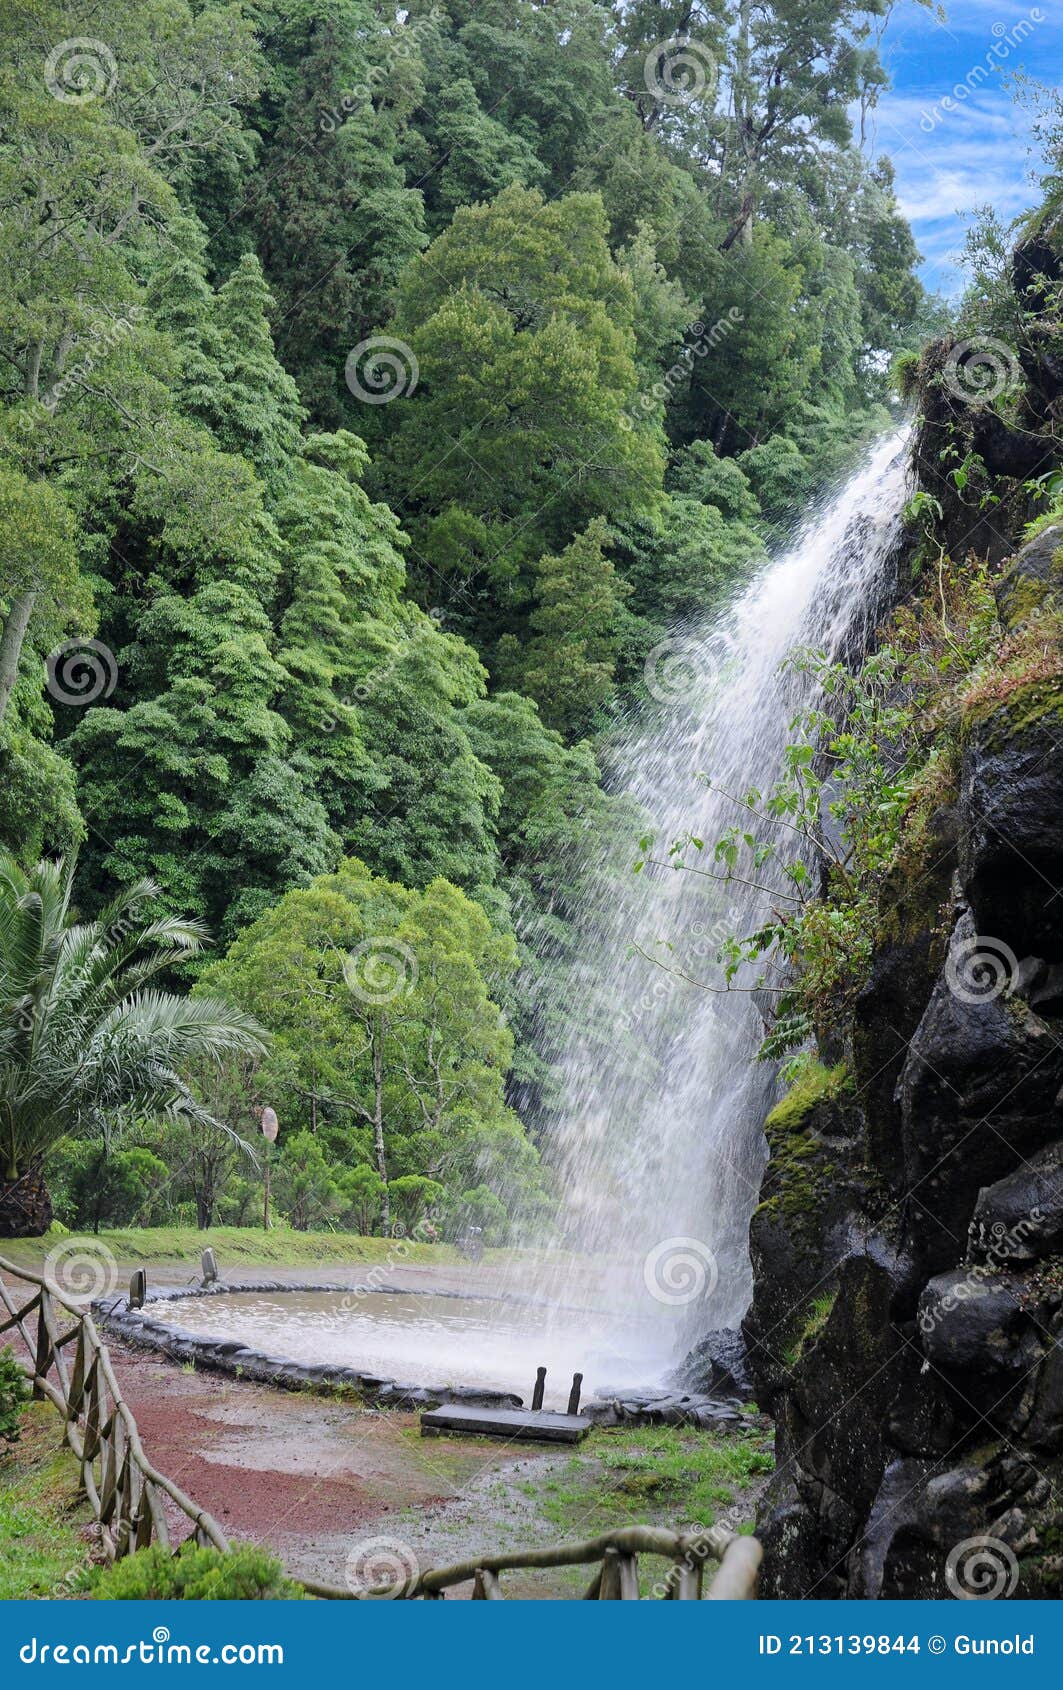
<point>25,1206</point>
<point>378,1127</point>
<point>11,640</point>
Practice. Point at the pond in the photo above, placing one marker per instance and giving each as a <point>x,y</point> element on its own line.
<point>425,1338</point>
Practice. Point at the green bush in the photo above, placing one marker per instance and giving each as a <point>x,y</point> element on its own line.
<point>196,1575</point>
<point>481,1208</point>
<point>13,1393</point>
<point>412,1197</point>
<point>94,1186</point>
<point>362,1194</point>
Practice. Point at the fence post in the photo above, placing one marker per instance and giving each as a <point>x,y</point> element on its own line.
<point>43,1358</point>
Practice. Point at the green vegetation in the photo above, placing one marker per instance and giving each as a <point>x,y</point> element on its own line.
<point>813,1084</point>
<point>655,1473</point>
<point>84,1039</point>
<point>380,389</point>
<point>14,1391</point>
<point>249,1245</point>
<point>247,1574</point>
<point>815,1319</point>
<point>44,1546</point>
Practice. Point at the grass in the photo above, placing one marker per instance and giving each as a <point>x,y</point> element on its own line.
<point>44,1551</point>
<point>238,1245</point>
<point>658,1475</point>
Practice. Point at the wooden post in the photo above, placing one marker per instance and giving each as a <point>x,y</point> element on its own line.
<point>620,1577</point>
<point>485,1586</point>
<point>265,1197</point>
<point>574,1394</point>
<point>44,1347</point>
<point>538,1389</point>
<point>683,1583</point>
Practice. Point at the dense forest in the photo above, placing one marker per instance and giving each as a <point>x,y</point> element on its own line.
<point>381,391</point>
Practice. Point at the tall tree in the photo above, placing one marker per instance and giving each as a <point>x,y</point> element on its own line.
<point>337,222</point>
<point>518,434</point>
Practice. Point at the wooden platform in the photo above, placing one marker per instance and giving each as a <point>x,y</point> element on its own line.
<point>529,1425</point>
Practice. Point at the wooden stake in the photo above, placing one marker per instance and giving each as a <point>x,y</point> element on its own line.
<point>574,1394</point>
<point>538,1389</point>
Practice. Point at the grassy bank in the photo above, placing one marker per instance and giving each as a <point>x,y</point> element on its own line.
<point>44,1545</point>
<point>238,1246</point>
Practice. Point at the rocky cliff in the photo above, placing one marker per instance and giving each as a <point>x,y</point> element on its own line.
<point>908,1244</point>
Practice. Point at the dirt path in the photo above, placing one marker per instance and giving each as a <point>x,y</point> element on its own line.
<point>312,1477</point>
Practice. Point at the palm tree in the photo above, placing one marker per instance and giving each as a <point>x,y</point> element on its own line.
<point>84,1038</point>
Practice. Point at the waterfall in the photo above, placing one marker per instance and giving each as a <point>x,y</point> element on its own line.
<point>660,1148</point>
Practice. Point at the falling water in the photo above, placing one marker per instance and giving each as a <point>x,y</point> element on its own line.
<point>661,1148</point>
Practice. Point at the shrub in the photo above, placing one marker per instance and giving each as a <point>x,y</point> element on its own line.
<point>479,1207</point>
<point>362,1194</point>
<point>196,1575</point>
<point>14,1391</point>
<point>98,1186</point>
<point>412,1197</point>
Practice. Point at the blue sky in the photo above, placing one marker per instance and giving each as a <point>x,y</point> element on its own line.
<point>952,161</point>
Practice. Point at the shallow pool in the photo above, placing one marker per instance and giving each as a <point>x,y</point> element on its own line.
<point>424,1338</point>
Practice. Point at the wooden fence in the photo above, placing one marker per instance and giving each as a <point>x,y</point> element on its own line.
<point>124,1491</point>
<point>617,1576</point>
<point>127,1495</point>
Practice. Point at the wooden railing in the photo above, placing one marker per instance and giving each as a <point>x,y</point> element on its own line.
<point>125,1492</point>
<point>617,1578</point>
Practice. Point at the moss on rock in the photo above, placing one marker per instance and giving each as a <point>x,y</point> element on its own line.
<point>815,1084</point>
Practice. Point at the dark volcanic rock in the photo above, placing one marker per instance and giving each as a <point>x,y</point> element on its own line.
<point>717,1366</point>
<point>906,1327</point>
<point>1020,1218</point>
<point>1011,843</point>
<point>984,1344</point>
<point>978,1090</point>
<point>1031,578</point>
